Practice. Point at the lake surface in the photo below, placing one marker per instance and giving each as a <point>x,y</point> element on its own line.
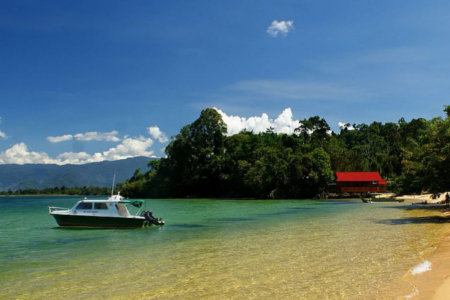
<point>219,249</point>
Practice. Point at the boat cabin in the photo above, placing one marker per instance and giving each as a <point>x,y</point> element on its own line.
<point>360,182</point>
<point>101,207</point>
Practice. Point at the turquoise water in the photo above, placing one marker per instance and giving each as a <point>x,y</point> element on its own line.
<point>218,249</point>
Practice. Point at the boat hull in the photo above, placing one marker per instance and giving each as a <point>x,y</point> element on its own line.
<point>97,221</point>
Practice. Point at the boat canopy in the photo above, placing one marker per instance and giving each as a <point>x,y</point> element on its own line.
<point>136,203</point>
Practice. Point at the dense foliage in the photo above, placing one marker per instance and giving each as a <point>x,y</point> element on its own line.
<point>83,191</point>
<point>201,161</point>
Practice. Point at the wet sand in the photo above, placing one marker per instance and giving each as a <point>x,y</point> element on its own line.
<point>435,284</point>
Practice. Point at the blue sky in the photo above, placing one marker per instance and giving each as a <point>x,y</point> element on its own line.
<point>85,81</point>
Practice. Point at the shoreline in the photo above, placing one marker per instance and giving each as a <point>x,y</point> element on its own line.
<point>434,284</point>
<point>428,198</point>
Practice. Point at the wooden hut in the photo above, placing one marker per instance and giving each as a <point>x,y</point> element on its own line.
<point>360,182</point>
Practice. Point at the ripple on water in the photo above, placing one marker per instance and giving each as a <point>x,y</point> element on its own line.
<point>308,250</point>
<point>187,225</point>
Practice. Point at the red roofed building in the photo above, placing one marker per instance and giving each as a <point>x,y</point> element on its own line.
<point>360,182</point>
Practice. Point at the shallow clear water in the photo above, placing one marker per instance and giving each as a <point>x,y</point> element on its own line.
<point>218,249</point>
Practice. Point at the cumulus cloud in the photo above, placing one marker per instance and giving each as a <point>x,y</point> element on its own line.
<point>86,137</point>
<point>58,139</point>
<point>343,125</point>
<point>129,147</point>
<point>284,123</point>
<point>78,158</point>
<point>19,154</point>
<point>97,136</point>
<point>157,134</point>
<point>280,28</point>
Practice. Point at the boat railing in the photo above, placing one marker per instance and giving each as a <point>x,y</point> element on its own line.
<point>54,209</point>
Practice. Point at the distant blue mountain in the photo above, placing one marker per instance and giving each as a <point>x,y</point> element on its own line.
<point>40,176</point>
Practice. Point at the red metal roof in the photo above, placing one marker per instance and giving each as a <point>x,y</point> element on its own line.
<point>359,176</point>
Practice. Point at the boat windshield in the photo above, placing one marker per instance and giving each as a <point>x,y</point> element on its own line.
<point>100,206</point>
<point>83,205</point>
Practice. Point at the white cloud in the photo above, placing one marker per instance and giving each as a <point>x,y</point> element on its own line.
<point>343,125</point>
<point>156,133</point>
<point>19,154</point>
<point>78,158</point>
<point>97,136</point>
<point>284,123</point>
<point>129,147</point>
<point>87,137</point>
<point>2,134</point>
<point>58,139</point>
<point>282,28</point>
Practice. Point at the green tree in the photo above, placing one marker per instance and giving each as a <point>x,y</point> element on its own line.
<point>195,156</point>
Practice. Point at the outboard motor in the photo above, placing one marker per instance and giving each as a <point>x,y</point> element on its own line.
<point>152,220</point>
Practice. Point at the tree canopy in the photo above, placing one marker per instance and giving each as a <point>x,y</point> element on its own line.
<point>202,161</point>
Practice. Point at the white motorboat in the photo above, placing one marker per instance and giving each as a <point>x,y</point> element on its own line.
<point>113,212</point>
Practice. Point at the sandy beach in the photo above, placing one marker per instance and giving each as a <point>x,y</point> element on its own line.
<point>422,198</point>
<point>443,291</point>
<point>434,284</point>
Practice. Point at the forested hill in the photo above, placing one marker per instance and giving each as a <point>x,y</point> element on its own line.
<point>40,176</point>
<point>203,161</point>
